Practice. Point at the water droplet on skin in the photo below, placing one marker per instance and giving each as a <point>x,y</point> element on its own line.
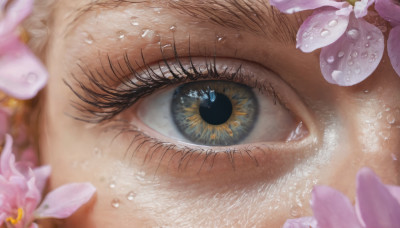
<point>115,203</point>
<point>130,196</point>
<point>330,59</point>
<point>157,10</point>
<point>166,46</point>
<point>220,39</point>
<point>366,91</point>
<point>88,38</point>
<point>121,34</point>
<point>172,28</point>
<point>112,185</point>
<point>333,23</point>
<point>379,115</point>
<point>390,118</point>
<point>385,135</point>
<point>97,152</point>
<point>340,54</point>
<point>353,33</point>
<point>394,157</point>
<point>150,35</point>
<point>135,23</point>
<point>324,33</point>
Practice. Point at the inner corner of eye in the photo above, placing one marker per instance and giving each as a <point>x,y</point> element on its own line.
<point>218,113</point>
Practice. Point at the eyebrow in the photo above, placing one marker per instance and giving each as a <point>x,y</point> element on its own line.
<point>257,17</point>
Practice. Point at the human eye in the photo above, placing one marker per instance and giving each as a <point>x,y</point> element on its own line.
<point>195,112</point>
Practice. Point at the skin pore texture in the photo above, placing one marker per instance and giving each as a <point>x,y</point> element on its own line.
<point>141,185</point>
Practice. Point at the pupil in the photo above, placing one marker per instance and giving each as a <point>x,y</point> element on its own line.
<point>216,110</point>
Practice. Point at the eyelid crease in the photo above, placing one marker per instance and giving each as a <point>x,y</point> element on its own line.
<point>107,93</point>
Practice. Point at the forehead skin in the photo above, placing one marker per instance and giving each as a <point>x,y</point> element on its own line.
<point>347,133</point>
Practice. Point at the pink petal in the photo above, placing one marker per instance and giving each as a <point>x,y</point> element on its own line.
<point>7,159</point>
<point>304,222</point>
<point>32,198</point>
<point>65,200</point>
<point>389,10</point>
<point>4,123</point>
<point>355,56</point>
<point>292,6</point>
<point>394,48</point>
<point>332,209</point>
<point>34,225</point>
<point>377,206</point>
<point>16,12</point>
<point>42,173</point>
<point>20,82</point>
<point>394,191</point>
<point>322,28</point>
<point>361,7</point>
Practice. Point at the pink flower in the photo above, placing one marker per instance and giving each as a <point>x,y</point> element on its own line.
<point>22,75</point>
<point>351,47</point>
<point>377,206</point>
<point>390,11</point>
<point>20,193</point>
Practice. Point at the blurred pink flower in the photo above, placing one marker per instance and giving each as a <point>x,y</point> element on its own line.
<point>22,75</point>
<point>21,188</point>
<point>377,206</point>
<point>351,47</point>
<point>390,11</point>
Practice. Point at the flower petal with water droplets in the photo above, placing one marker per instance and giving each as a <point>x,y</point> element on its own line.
<point>377,206</point>
<point>322,28</point>
<point>355,56</point>
<point>304,222</point>
<point>293,6</point>
<point>20,82</point>
<point>332,209</point>
<point>394,48</point>
<point>389,10</point>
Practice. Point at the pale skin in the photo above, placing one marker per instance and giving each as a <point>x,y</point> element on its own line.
<point>348,127</point>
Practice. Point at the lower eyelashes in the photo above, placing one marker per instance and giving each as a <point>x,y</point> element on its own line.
<point>214,113</point>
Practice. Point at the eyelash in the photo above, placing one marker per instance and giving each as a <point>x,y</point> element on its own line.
<point>104,101</point>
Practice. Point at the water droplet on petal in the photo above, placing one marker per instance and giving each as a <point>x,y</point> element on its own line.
<point>354,54</point>
<point>336,74</point>
<point>324,33</point>
<point>31,78</point>
<point>353,33</point>
<point>369,37</point>
<point>350,63</point>
<point>130,196</point>
<point>333,23</point>
<point>340,54</point>
<point>330,59</point>
<point>364,55</point>
<point>367,45</point>
<point>115,203</point>
<point>357,71</point>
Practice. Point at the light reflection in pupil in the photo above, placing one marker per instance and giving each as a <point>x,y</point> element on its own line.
<point>216,109</point>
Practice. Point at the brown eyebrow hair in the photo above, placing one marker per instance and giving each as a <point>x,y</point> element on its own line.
<point>257,17</point>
